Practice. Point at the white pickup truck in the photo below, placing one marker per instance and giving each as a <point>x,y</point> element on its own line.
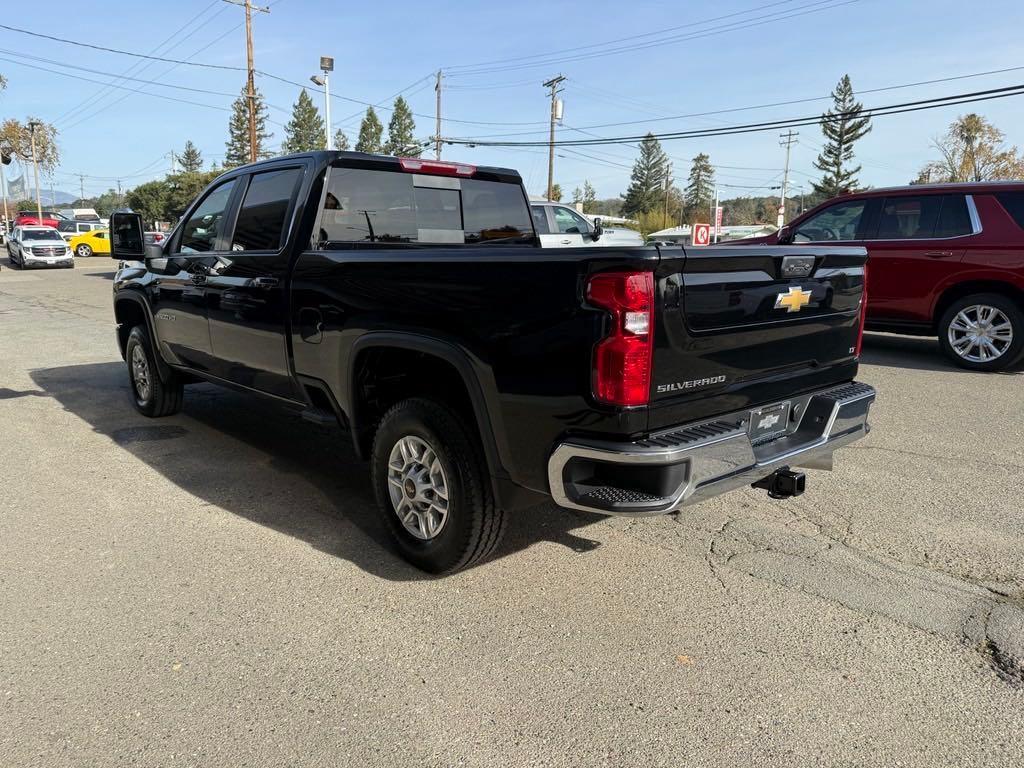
<point>559,226</point>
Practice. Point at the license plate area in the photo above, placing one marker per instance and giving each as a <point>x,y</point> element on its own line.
<point>768,422</point>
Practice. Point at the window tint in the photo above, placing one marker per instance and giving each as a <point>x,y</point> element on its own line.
<point>837,222</point>
<point>954,220</point>
<point>569,222</point>
<point>200,231</point>
<point>1013,202</point>
<point>261,219</point>
<point>385,207</point>
<point>41,234</point>
<point>540,220</point>
<point>909,217</point>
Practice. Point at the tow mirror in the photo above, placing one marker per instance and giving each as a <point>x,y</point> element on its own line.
<point>598,229</point>
<point>126,240</point>
<point>784,235</point>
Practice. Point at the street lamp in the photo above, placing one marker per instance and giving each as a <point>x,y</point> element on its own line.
<point>326,66</point>
<point>35,167</point>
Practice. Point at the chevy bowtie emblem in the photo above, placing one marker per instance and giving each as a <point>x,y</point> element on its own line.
<point>793,300</point>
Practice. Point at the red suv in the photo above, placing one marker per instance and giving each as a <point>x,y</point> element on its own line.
<point>946,260</point>
<point>31,219</point>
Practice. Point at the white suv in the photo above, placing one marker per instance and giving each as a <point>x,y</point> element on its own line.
<point>34,246</point>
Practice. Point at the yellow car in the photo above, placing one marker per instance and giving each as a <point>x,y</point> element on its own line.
<point>89,243</point>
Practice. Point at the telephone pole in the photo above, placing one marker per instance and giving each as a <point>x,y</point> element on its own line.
<point>553,84</point>
<point>437,118</point>
<point>35,167</point>
<point>788,139</point>
<point>251,81</point>
<point>81,186</point>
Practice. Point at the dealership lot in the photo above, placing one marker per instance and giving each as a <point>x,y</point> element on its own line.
<point>214,588</point>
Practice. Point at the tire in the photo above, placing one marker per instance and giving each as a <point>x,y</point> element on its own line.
<point>1000,321</point>
<point>471,526</point>
<point>155,396</point>
<point>83,251</point>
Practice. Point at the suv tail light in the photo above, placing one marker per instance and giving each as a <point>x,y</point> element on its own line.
<point>436,167</point>
<point>863,311</point>
<point>622,360</point>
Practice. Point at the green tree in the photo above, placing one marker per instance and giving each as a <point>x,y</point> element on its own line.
<point>401,141</point>
<point>647,181</point>
<point>182,189</point>
<point>842,126</point>
<point>589,197</point>
<point>973,150</point>
<point>305,131</point>
<point>237,152</point>
<point>18,136</point>
<point>341,140</point>
<point>149,200</point>
<point>191,158</point>
<point>556,192</point>
<point>700,186</point>
<point>370,132</point>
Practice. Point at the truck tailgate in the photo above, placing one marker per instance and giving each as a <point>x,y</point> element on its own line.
<point>744,326</point>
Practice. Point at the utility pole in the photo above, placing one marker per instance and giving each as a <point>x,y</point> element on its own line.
<point>553,84</point>
<point>788,139</point>
<point>173,158</point>
<point>5,158</point>
<point>81,186</point>
<point>251,81</point>
<point>437,117</point>
<point>119,202</point>
<point>35,166</point>
<point>714,216</point>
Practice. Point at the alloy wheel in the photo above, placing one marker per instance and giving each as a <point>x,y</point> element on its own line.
<point>140,373</point>
<point>980,333</point>
<point>418,487</point>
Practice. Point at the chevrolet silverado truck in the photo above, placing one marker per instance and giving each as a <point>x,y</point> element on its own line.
<point>410,302</point>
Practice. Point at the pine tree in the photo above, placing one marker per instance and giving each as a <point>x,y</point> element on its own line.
<point>191,158</point>
<point>589,197</point>
<point>400,132</point>
<point>647,181</point>
<point>237,152</point>
<point>842,126</point>
<point>341,140</point>
<point>700,187</point>
<point>305,131</point>
<point>370,131</point>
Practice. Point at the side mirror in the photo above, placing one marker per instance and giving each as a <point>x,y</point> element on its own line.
<point>598,229</point>
<point>126,240</point>
<point>784,236</point>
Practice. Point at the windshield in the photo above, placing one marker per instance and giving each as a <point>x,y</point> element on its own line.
<point>41,234</point>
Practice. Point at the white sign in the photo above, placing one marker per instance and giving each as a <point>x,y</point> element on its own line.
<point>701,234</point>
<point>718,221</point>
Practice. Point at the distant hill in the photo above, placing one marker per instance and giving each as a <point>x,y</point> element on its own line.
<point>58,198</point>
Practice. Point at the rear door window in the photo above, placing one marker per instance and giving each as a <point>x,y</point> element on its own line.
<point>263,216</point>
<point>954,218</point>
<point>540,220</point>
<point>909,217</point>
<point>367,206</point>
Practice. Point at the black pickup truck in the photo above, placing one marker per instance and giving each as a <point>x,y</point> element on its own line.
<point>409,301</point>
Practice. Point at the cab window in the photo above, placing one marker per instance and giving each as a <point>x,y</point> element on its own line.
<point>540,220</point>
<point>264,212</point>
<point>200,232</point>
<point>569,222</point>
<point>840,222</point>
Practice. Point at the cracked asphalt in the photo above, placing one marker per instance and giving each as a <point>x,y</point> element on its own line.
<point>213,589</point>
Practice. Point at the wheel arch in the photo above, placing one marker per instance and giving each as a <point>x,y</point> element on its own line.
<point>960,290</point>
<point>131,309</point>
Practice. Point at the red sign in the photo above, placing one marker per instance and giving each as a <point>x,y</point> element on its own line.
<point>718,220</point>
<point>701,234</point>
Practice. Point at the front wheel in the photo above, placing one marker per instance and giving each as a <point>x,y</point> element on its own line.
<point>432,487</point>
<point>152,394</point>
<point>84,251</point>
<point>983,332</point>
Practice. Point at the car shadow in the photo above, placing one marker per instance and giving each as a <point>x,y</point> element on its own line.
<point>919,353</point>
<point>103,275</point>
<point>265,463</point>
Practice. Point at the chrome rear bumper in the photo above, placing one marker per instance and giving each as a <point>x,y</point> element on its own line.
<point>690,463</point>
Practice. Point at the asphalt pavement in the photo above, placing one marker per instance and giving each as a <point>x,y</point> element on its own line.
<point>214,589</point>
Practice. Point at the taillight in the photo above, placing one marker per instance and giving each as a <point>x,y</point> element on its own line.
<point>622,360</point>
<point>435,167</point>
<point>863,311</point>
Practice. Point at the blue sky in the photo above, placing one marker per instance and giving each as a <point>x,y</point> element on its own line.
<point>748,56</point>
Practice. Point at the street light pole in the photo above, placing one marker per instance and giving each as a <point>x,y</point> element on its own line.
<point>35,168</point>
<point>326,66</point>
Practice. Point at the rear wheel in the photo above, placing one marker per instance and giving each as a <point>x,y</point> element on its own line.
<point>983,332</point>
<point>432,487</point>
<point>152,394</point>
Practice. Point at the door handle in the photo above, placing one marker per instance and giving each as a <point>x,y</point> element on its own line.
<point>266,283</point>
<point>938,254</point>
<point>567,242</point>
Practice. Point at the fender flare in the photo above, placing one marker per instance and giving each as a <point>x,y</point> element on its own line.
<point>475,375</point>
<point>136,298</point>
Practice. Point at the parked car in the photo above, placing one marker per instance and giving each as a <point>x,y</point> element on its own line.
<point>154,238</point>
<point>31,218</point>
<point>408,301</point>
<point>34,246</point>
<point>96,242</point>
<point>559,226</point>
<point>80,214</point>
<point>70,229</point>
<point>947,260</point>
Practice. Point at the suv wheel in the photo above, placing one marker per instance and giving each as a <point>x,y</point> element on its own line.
<point>983,332</point>
<point>153,396</point>
<point>432,487</point>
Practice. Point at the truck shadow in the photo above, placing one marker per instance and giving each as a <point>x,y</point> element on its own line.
<point>265,463</point>
<point>911,352</point>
